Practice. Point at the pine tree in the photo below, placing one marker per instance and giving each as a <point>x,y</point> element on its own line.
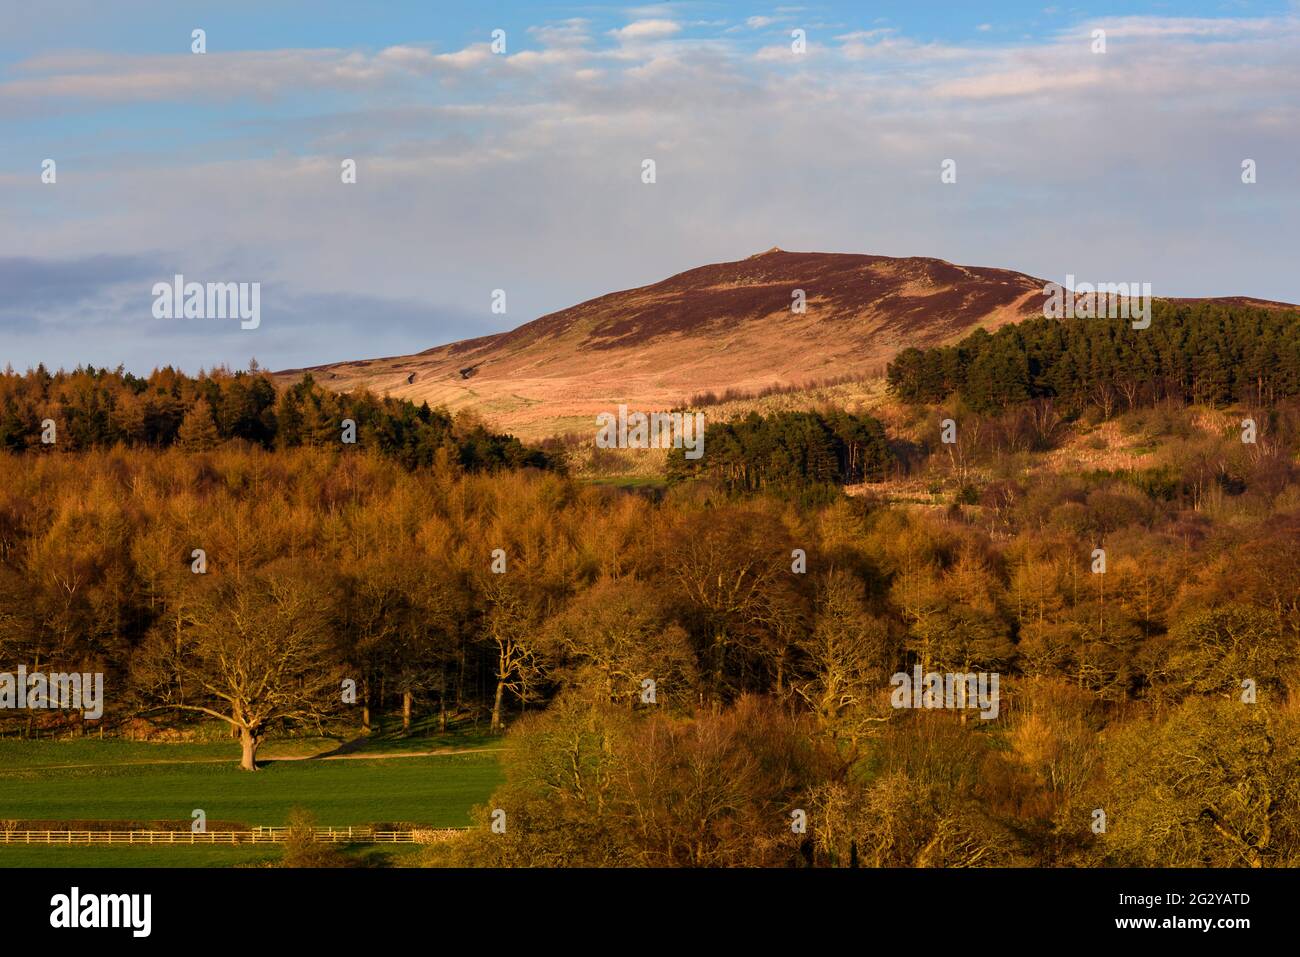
<point>199,432</point>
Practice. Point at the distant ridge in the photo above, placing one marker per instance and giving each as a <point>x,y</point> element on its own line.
<point>726,325</point>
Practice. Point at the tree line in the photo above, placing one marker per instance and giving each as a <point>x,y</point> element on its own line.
<point>99,408</point>
<point>1210,353</point>
<point>531,601</point>
<point>789,451</point>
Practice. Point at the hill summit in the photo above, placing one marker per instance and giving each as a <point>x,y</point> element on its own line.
<point>728,325</point>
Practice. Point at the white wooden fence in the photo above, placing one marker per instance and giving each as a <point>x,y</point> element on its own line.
<point>260,835</point>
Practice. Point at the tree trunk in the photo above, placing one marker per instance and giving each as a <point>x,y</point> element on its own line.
<point>496,707</point>
<point>406,712</point>
<point>365,705</point>
<point>442,699</point>
<point>249,741</point>
<point>460,680</point>
<point>719,650</point>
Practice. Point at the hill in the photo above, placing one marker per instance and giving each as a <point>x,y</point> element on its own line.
<point>718,327</point>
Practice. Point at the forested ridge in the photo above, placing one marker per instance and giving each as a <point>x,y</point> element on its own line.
<point>1207,352</point>
<point>100,408</point>
<point>479,596</point>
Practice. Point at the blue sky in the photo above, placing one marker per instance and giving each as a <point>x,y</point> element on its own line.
<point>521,171</point>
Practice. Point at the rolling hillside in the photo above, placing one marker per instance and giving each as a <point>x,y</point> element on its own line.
<point>728,325</point>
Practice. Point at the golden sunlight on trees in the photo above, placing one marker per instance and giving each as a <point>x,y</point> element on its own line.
<point>672,686</point>
<point>248,653</point>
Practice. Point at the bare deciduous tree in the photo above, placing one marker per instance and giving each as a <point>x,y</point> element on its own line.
<point>252,653</point>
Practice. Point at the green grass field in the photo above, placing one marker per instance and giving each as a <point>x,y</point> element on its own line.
<point>46,754</point>
<point>430,790</point>
<point>381,780</point>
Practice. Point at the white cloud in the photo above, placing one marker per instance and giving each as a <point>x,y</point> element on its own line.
<point>647,30</point>
<point>572,32</point>
<point>522,172</point>
<point>1164,27</point>
<point>471,56</point>
<point>1022,83</point>
<point>885,44</point>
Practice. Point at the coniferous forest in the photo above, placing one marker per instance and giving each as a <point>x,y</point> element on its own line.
<point>1208,352</point>
<point>99,409</point>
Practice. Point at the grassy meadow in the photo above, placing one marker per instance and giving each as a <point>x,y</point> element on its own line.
<point>432,780</point>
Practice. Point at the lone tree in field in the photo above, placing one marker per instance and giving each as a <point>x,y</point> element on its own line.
<point>252,652</point>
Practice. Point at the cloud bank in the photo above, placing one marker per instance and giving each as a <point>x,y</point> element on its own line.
<point>522,171</point>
